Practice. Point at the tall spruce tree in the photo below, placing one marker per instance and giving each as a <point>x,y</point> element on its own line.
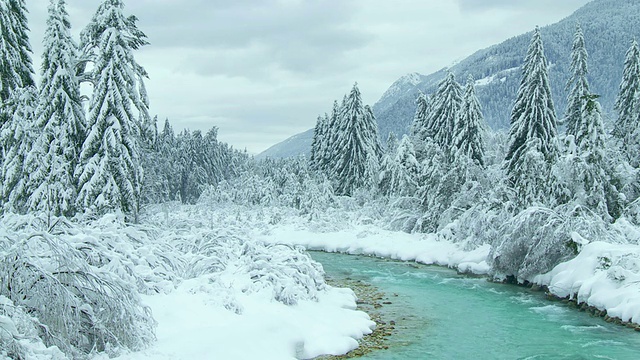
<point>59,120</point>
<point>603,198</point>
<point>577,85</point>
<point>444,112</point>
<point>468,139</point>
<point>357,147</point>
<point>533,144</point>
<point>628,102</point>
<point>420,126</point>
<point>109,173</point>
<point>17,99</point>
<point>17,137</point>
<point>319,138</point>
<point>328,148</point>
<point>583,174</point>
<point>16,69</point>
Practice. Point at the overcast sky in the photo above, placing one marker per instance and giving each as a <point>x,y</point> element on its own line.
<point>263,70</point>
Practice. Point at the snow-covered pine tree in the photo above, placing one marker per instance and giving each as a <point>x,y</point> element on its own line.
<point>17,96</point>
<point>17,138</point>
<point>387,165</point>
<point>399,170</point>
<point>590,135</point>
<point>590,140</point>
<point>16,69</point>
<point>577,85</point>
<point>468,135</point>
<point>357,147</point>
<point>583,172</point>
<point>60,121</point>
<point>328,150</point>
<point>391,144</point>
<point>627,101</point>
<point>109,173</point>
<point>319,138</point>
<point>627,127</point>
<point>407,181</point>
<point>419,126</point>
<point>134,39</point>
<point>444,111</point>
<point>169,184</point>
<point>533,144</point>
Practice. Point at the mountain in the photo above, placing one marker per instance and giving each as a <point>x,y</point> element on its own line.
<point>299,144</point>
<point>608,26</point>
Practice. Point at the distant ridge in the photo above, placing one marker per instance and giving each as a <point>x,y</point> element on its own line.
<point>299,144</point>
<point>608,25</point>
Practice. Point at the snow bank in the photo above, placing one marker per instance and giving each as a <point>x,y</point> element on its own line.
<point>426,249</point>
<point>193,324</point>
<point>603,275</point>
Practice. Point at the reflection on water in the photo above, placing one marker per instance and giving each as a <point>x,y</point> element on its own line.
<point>443,315</point>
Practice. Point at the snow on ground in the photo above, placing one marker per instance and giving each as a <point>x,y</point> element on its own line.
<point>193,325</point>
<point>369,240</point>
<point>603,275</point>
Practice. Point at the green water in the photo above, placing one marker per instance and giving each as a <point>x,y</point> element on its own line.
<point>442,315</point>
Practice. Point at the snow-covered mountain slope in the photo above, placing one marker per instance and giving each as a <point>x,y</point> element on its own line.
<point>608,25</point>
<point>299,144</point>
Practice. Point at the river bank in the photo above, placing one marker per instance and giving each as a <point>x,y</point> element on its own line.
<point>372,301</point>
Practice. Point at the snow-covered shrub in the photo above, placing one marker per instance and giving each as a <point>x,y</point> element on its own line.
<point>537,239</point>
<point>288,271</point>
<point>217,243</point>
<point>19,334</point>
<point>404,214</point>
<point>530,244</point>
<point>80,308</point>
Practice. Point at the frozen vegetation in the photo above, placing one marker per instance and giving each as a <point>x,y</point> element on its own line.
<point>190,282</point>
<point>122,240</point>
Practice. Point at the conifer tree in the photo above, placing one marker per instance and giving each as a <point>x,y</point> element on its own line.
<point>533,135</point>
<point>399,170</point>
<point>419,126</point>
<point>17,137</point>
<point>109,173</point>
<point>444,111</point>
<point>319,139</point>
<point>357,147</point>
<point>627,100</point>
<point>329,150</point>
<point>468,135</point>
<point>59,120</point>
<point>17,97</point>
<point>577,85</point>
<point>16,69</point>
<point>584,172</point>
<point>391,144</point>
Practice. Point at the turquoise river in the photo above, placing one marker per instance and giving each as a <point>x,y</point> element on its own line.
<point>443,315</point>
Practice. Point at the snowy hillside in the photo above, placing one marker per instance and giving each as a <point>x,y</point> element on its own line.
<point>299,144</point>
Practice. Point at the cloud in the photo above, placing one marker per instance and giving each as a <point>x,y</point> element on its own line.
<point>296,36</point>
<point>519,5</point>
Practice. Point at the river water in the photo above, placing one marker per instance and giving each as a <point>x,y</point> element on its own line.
<point>443,315</point>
